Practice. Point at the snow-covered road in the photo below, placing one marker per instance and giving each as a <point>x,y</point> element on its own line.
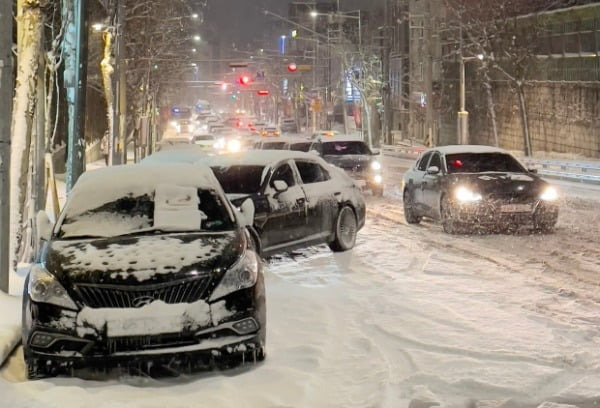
<point>409,318</point>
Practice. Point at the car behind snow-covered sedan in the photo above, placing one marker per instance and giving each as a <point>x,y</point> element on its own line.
<point>147,265</point>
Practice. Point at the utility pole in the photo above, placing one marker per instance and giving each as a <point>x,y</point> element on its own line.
<point>429,55</point>
<point>76,39</point>
<point>117,144</point>
<point>6,97</point>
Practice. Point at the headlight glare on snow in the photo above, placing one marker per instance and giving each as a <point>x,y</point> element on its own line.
<point>376,165</point>
<point>44,288</point>
<point>242,275</point>
<point>549,194</point>
<point>378,179</point>
<point>465,195</point>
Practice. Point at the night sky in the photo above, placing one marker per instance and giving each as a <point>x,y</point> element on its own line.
<point>242,21</point>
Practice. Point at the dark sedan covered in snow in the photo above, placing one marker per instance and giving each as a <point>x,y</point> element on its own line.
<point>147,266</point>
<point>467,187</point>
<point>299,199</point>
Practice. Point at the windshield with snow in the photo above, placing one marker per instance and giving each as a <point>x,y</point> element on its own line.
<point>146,214</point>
<point>345,148</point>
<point>482,163</point>
<point>240,179</point>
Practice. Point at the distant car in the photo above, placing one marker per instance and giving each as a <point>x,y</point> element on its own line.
<point>356,158</point>
<point>185,126</point>
<point>147,266</point>
<point>270,131</point>
<point>206,141</point>
<point>289,125</point>
<point>299,199</point>
<point>477,186</point>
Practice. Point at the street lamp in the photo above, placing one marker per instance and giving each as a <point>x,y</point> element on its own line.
<point>463,115</point>
<point>195,16</point>
<point>197,38</point>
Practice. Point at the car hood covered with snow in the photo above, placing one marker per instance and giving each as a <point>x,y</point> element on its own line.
<point>143,259</point>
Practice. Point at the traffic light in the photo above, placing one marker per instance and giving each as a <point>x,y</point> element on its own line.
<point>263,92</point>
<point>244,80</point>
<point>292,67</point>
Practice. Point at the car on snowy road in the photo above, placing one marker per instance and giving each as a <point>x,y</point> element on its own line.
<point>469,187</point>
<point>148,266</point>
<point>300,200</point>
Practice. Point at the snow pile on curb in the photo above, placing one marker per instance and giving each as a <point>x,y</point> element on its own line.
<point>10,324</point>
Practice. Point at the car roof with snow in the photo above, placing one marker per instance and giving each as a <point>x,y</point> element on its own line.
<point>189,155</point>
<point>457,149</point>
<point>97,187</point>
<point>259,158</point>
<point>341,138</point>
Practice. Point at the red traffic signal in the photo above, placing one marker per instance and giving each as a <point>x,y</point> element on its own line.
<point>244,80</point>
<point>292,67</point>
<point>263,93</point>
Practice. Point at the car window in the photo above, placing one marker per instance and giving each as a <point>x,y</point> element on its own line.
<point>345,148</point>
<point>300,147</point>
<point>435,161</point>
<point>239,179</point>
<point>422,166</point>
<point>284,173</point>
<point>312,172</point>
<point>274,146</point>
<point>483,162</point>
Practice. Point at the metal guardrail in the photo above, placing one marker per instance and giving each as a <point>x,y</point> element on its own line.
<point>585,172</point>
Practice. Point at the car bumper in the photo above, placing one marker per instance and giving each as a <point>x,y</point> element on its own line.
<point>501,214</point>
<point>369,180</point>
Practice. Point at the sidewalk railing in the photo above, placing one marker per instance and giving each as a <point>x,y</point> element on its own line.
<point>570,170</point>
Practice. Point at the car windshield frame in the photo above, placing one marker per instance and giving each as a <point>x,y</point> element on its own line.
<point>484,163</point>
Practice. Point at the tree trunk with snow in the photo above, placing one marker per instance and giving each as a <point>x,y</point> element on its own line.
<point>30,23</point>
<point>107,72</point>
<point>524,119</point>
<point>487,83</point>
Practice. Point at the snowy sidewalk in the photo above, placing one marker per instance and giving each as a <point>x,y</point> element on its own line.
<point>10,324</point>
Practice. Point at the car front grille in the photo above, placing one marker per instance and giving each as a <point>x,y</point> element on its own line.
<point>136,343</point>
<point>128,296</point>
<point>511,198</point>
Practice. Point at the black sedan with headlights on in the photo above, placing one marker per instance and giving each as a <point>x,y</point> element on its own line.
<point>471,187</point>
<point>355,157</point>
<point>147,268</point>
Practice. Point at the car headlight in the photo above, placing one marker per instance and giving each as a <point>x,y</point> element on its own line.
<point>378,179</point>
<point>234,146</point>
<point>220,144</point>
<point>375,165</point>
<point>242,275</point>
<point>549,194</point>
<point>465,195</point>
<point>44,288</point>
<point>173,123</point>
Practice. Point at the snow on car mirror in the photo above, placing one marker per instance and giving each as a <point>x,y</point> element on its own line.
<point>433,170</point>
<point>315,152</point>
<point>176,208</point>
<point>280,186</point>
<point>376,152</point>
<point>246,213</point>
<point>43,225</point>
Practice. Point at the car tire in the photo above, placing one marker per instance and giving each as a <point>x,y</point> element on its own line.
<point>449,223</point>
<point>346,228</point>
<point>409,209</point>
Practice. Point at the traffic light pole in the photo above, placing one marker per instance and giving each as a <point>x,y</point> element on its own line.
<point>6,98</point>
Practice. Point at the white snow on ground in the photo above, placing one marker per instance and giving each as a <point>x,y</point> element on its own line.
<point>10,324</point>
<point>412,317</point>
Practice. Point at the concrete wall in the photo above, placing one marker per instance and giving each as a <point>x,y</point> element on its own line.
<point>564,117</point>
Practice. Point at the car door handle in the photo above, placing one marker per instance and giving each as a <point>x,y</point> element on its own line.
<point>337,193</point>
<point>301,201</point>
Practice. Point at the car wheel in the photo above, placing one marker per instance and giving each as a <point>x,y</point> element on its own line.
<point>449,223</point>
<point>346,228</point>
<point>409,210</point>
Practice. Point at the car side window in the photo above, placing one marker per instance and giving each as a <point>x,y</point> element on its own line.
<point>312,172</point>
<point>284,173</point>
<point>436,161</point>
<point>423,162</point>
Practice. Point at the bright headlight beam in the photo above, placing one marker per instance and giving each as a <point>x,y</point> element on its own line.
<point>376,165</point>
<point>465,195</point>
<point>549,194</point>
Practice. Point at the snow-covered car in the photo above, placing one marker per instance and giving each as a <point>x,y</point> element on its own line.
<point>270,131</point>
<point>299,199</point>
<point>477,186</point>
<point>321,134</point>
<point>355,157</point>
<point>205,141</point>
<point>289,125</point>
<point>169,143</point>
<point>147,266</point>
<point>271,145</point>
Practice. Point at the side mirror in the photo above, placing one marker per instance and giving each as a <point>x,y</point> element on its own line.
<point>376,152</point>
<point>532,170</point>
<point>43,226</point>
<point>315,152</point>
<point>433,170</point>
<point>247,213</point>
<point>280,186</point>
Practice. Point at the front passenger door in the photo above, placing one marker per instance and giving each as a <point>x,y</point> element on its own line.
<point>287,209</point>
<point>431,186</point>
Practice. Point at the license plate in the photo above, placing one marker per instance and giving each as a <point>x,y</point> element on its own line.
<point>515,208</point>
<point>143,326</point>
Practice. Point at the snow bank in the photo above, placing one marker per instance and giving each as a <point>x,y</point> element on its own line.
<point>10,324</point>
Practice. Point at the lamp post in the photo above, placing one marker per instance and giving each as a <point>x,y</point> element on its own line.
<point>463,115</point>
